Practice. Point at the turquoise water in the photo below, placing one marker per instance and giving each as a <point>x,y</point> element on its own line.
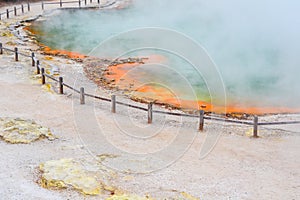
<point>254,44</point>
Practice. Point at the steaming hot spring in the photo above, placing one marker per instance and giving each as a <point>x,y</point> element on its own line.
<point>254,51</point>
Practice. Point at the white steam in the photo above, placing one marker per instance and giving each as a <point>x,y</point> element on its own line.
<point>255,44</point>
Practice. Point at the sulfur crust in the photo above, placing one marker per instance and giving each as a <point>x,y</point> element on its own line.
<point>23,131</point>
<point>59,174</point>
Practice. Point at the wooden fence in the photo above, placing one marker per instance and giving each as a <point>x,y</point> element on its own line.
<point>113,100</point>
<point>15,11</point>
<point>80,2</point>
<point>21,9</point>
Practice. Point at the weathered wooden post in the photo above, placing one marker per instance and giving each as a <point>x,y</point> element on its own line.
<point>113,103</point>
<point>28,6</point>
<point>16,54</point>
<point>7,13</point>
<point>38,67</point>
<point>15,10</point>
<point>32,59</point>
<point>43,76</point>
<point>201,120</point>
<point>61,85</point>
<point>255,127</point>
<point>150,114</point>
<point>82,101</point>
<point>22,8</point>
<point>1,48</point>
<point>60,3</point>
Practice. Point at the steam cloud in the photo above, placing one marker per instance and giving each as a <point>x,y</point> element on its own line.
<point>255,44</point>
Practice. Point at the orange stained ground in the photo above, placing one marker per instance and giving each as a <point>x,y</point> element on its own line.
<point>120,71</point>
<point>69,54</point>
<point>165,96</point>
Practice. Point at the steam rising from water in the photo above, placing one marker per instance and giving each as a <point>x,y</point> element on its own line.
<point>255,44</point>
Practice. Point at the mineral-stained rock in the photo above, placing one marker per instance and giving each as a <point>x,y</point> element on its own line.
<point>127,197</point>
<point>88,176</point>
<point>23,131</point>
<point>64,173</point>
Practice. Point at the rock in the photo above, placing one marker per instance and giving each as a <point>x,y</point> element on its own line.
<point>60,174</point>
<point>23,131</point>
<point>83,175</point>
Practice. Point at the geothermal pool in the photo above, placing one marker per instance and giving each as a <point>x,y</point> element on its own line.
<point>254,44</point>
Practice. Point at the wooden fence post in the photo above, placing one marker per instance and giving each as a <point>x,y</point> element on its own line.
<point>43,76</point>
<point>22,8</point>
<point>1,48</point>
<point>38,67</point>
<point>201,120</point>
<point>16,54</point>
<point>61,85</point>
<point>28,6</point>
<point>32,59</point>
<point>113,103</point>
<point>7,13</point>
<point>82,101</point>
<point>255,127</point>
<point>150,114</point>
<point>15,11</point>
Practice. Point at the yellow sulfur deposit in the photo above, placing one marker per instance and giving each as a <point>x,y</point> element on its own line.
<point>68,172</point>
<point>22,131</point>
<point>48,58</point>
<point>249,132</point>
<point>188,196</point>
<point>10,43</point>
<point>84,175</point>
<point>47,87</point>
<point>7,34</point>
<point>127,197</point>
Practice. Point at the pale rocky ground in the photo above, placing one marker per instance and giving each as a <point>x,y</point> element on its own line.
<point>238,167</point>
